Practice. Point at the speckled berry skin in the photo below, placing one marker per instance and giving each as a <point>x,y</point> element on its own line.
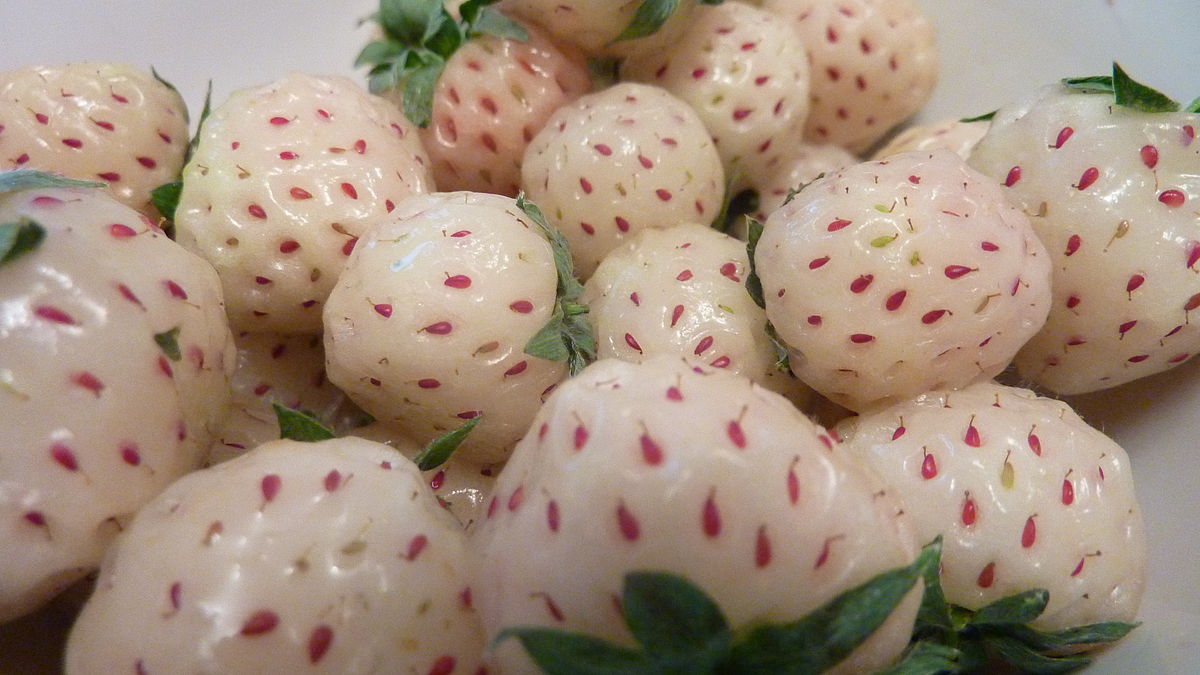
<point>954,135</point>
<point>285,178</point>
<point>1112,192</point>
<point>593,25</point>
<point>803,164</point>
<point>493,96</point>
<point>619,161</point>
<point>94,121</point>
<point>427,326</point>
<point>97,417</point>
<point>874,63</point>
<point>894,277</point>
<point>745,74</point>
<point>284,369</point>
<point>747,499</point>
<point>1025,494</point>
<point>681,292</point>
<point>328,557</point>
<point>460,485</point>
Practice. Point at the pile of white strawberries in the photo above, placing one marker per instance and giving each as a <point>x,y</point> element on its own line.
<point>527,230</point>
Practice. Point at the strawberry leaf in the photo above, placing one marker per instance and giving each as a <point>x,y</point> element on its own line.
<point>1013,610</point>
<point>1095,84</point>
<point>568,335</point>
<point>17,180</point>
<point>674,620</point>
<point>409,21</point>
<point>418,91</point>
<point>561,653</point>
<point>933,617</point>
<point>491,22</point>
<point>926,658</point>
<point>1193,107</point>
<point>827,635</point>
<point>1125,90</point>
<point>168,342</point>
<point>985,117</point>
<point>1031,661</point>
<point>439,449</point>
<point>782,357</point>
<point>295,425</point>
<point>649,17</point>
<point>1091,634</point>
<point>19,238</point>
<point>754,230</point>
<point>165,198</point>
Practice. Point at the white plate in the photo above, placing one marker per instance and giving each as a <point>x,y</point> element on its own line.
<point>992,51</point>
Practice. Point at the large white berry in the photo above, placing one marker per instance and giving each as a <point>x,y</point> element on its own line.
<point>893,277</point>
<point>1025,494</point>
<point>327,557</point>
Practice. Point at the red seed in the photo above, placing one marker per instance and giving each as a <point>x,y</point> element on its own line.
<point>262,621</point>
<point>88,381</point>
<point>1134,282</point>
<point>121,231</point>
<point>987,575</point>
<point>439,328</point>
<point>64,457</point>
<point>147,162</point>
<point>415,546</point>
<point>521,306</point>
<point>174,594</point>
<point>971,438</point>
<point>1126,327</point>
<point>817,262</point>
<point>1029,533</point>
<point>516,498</point>
<point>710,517</point>
<point>1068,492</point>
<point>762,548</point>
<point>988,246</point>
<point>957,271</point>
<point>663,195</point>
<point>428,383</point>
<point>968,511</point>
<point>72,143</point>
<point>1014,175</point>
<point>862,283</point>
<point>928,467</point>
<point>861,338</point>
<point>1172,198</point>
<point>1073,243</point>
<point>270,485</point>
<point>349,191</point>
<point>720,362</point>
<point>651,451</point>
<point>704,344</point>
<point>360,146</point>
<point>35,518</point>
<point>603,149</point>
<point>585,185</point>
<point>633,343</point>
<point>289,246</point>
<point>1078,568</point>
<point>581,437</point>
<point>627,523</point>
<point>837,225</point>
<point>1063,135</point>
<point>552,516</point>
<point>895,300</point>
<point>814,320</point>
<point>460,281</point>
<point>932,316</point>
<point>333,480</point>
<point>1088,177</point>
<point>300,193</point>
<point>278,121</point>
<point>130,454</point>
<point>1149,155</point>
<point>898,432</point>
<point>675,314</point>
<point>288,155</point>
<point>256,211</point>
<point>517,368</point>
<point>684,275</point>
<point>384,310</point>
<point>735,433</point>
<point>319,641</point>
<point>1035,444</point>
<point>793,485</point>
<point>622,224</point>
<point>53,314</point>
<point>729,271</point>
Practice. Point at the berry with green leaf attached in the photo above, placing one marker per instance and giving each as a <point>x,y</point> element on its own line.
<point>680,292</point>
<point>1108,173</point>
<point>284,180</point>
<point>497,84</point>
<point>957,136</point>
<point>802,165</point>
<point>609,27</point>
<point>459,305</point>
<point>697,472</point>
<point>874,63</point>
<point>114,366</point>
<point>893,277</point>
<point>745,74</point>
<point>331,555</point>
<point>94,121</point>
<point>619,161</point>
<point>1025,494</point>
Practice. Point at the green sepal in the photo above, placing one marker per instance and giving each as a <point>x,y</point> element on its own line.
<point>409,21</point>
<point>985,117</point>
<point>754,230</point>
<point>17,180</point>
<point>558,652</point>
<point>205,111</point>
<point>1091,634</point>
<point>721,222</point>
<point>437,451</point>
<point>165,198</point>
<point>933,616</point>
<point>1094,84</point>
<point>568,335</point>
<point>1193,107</point>
<point>296,425</point>
<point>926,658</point>
<point>829,634</point>
<point>1030,661</point>
<point>491,22</point>
<point>418,91</point>
<point>675,622</point>
<point>647,19</point>
<point>1013,610</point>
<point>168,342</point>
<point>1126,91</point>
<point>166,83</point>
<point>19,238</point>
<point>782,357</point>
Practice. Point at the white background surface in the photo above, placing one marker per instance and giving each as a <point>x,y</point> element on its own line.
<point>992,51</point>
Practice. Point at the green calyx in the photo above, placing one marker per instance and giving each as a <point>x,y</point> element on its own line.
<point>650,16</point>
<point>18,180</point>
<point>679,629</point>
<point>297,425</point>
<point>19,238</point>
<point>441,448</point>
<point>419,36</point>
<point>165,197</point>
<point>568,335</point>
<point>1128,92</point>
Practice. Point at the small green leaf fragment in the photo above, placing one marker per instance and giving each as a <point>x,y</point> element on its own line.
<point>439,449</point>
<point>754,230</point>
<point>19,238</point>
<point>491,22</point>
<point>446,36</point>
<point>1030,661</point>
<point>296,425</point>
<point>1013,610</point>
<point>562,653</point>
<point>1193,107</point>
<point>670,616</point>
<point>985,117</point>
<point>649,17</point>
<point>884,240</point>
<point>379,51</point>
<point>168,342</point>
<point>408,20</point>
<point>32,179</point>
<point>782,357</point>
<point>165,198</point>
<point>418,91</point>
<point>1096,84</point>
<point>1130,93</point>
<point>162,80</point>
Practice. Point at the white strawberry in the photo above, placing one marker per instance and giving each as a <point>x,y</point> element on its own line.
<point>619,161</point>
<point>284,369</point>
<point>744,73</point>
<point>94,121</point>
<point>803,164</point>
<point>894,277</point>
<point>327,557</point>
<point>460,485</point>
<point>680,292</point>
<point>1111,191</point>
<point>1025,494</point>
<point>606,27</point>
<point>874,63</point>
<point>668,466</point>
<point>114,366</point>
<point>955,135</point>
<point>428,325</point>
<point>284,180</point>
